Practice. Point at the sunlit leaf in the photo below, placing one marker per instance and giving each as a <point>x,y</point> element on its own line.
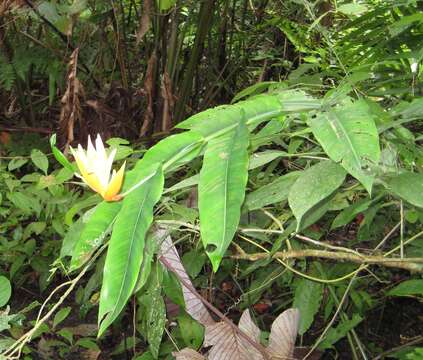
<point>313,186</point>
<point>349,136</point>
<point>221,190</point>
<point>125,253</point>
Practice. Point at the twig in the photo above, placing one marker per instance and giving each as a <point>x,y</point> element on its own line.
<point>217,312</point>
<point>14,351</point>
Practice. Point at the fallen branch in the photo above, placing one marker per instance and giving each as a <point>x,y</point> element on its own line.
<point>410,264</point>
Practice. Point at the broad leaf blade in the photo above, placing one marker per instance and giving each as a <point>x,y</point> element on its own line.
<point>349,136</point>
<point>223,178</point>
<point>408,186</point>
<point>313,186</point>
<point>94,232</point>
<point>125,253</point>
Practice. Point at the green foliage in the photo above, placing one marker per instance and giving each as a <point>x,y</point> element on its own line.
<point>329,161</point>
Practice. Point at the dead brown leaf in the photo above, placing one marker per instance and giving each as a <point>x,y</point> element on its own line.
<point>193,304</point>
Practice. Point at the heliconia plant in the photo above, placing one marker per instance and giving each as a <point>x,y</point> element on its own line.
<point>221,136</point>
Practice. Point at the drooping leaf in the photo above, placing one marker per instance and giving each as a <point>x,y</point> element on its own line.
<point>307,299</point>
<point>94,231</point>
<point>349,136</point>
<point>408,186</point>
<point>227,117</point>
<point>125,253</point>
<point>172,152</point>
<point>313,186</point>
<point>221,190</point>
<point>253,111</point>
<point>5,290</point>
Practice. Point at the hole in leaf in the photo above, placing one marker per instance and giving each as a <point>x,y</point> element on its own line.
<point>211,248</point>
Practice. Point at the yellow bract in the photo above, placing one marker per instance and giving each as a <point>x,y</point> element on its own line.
<point>95,166</point>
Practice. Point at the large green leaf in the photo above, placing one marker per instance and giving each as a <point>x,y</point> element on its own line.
<point>221,190</point>
<point>172,152</point>
<point>253,111</point>
<point>313,186</point>
<point>94,232</point>
<point>125,253</point>
<point>408,186</point>
<point>349,136</point>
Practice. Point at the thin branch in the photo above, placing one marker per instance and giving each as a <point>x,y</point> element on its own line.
<point>410,264</point>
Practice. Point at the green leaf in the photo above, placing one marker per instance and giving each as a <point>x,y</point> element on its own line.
<point>16,163</point>
<point>408,288</point>
<point>307,299</point>
<point>5,290</point>
<point>253,90</point>
<point>271,193</point>
<point>61,315</point>
<point>94,232</point>
<point>156,313</point>
<point>313,186</point>
<point>336,334</point>
<point>193,262</point>
<point>125,253</point>
<point>172,288</point>
<point>408,186</point>
<point>225,117</point>
<point>191,330</point>
<point>40,160</point>
<point>349,136</point>
<point>165,5</point>
<point>71,238</point>
<point>348,214</point>
<point>59,155</point>
<point>172,152</point>
<point>352,9</point>
<point>221,190</point>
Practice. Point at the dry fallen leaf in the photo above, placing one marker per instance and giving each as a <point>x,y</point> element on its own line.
<point>188,354</point>
<point>227,344</point>
<point>283,333</point>
<point>194,306</point>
